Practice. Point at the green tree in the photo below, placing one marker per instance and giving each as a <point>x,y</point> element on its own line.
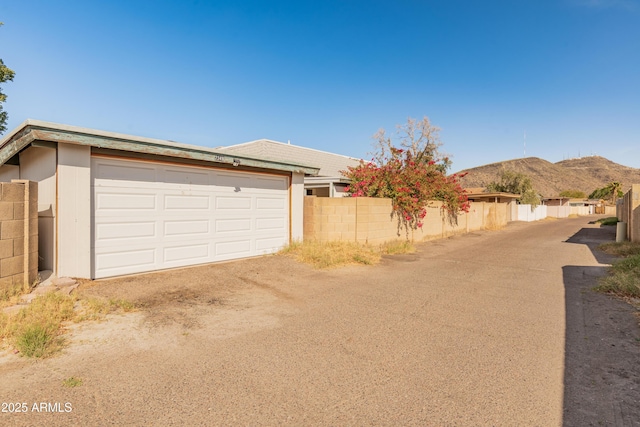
<point>573,194</point>
<point>6,74</point>
<point>516,183</point>
<point>611,192</point>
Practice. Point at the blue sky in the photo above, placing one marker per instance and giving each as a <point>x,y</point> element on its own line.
<point>329,74</point>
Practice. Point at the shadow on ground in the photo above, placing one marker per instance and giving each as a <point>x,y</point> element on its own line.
<point>602,346</point>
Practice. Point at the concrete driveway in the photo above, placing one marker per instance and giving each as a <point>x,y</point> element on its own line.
<point>492,328</point>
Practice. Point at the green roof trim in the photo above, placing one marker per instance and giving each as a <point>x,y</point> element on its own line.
<point>35,130</point>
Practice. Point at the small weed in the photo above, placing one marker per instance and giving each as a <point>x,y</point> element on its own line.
<point>397,247</point>
<point>35,330</point>
<point>623,249</point>
<point>98,308</point>
<point>624,275</point>
<point>612,220</point>
<point>72,382</point>
<point>10,295</point>
<point>121,304</point>
<point>37,340</point>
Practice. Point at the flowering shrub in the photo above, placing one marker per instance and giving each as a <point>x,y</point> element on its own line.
<point>411,184</point>
<point>411,176</point>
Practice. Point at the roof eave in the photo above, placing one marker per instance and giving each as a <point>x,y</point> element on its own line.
<point>31,131</point>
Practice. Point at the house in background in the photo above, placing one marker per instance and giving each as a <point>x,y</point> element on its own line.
<point>557,207</point>
<point>585,206</point>
<point>111,204</point>
<point>329,182</point>
<point>480,195</point>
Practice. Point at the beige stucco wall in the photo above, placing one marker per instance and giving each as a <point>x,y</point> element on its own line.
<point>369,220</point>
<point>9,172</point>
<point>297,212</point>
<point>18,233</point>
<point>39,164</point>
<point>74,211</point>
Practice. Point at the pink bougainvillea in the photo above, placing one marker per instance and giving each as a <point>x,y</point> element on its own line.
<point>411,184</point>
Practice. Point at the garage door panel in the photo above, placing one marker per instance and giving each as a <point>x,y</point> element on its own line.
<point>266,184</point>
<point>185,177</point>
<point>187,202</point>
<point>186,228</point>
<point>269,203</point>
<point>230,203</point>
<point>123,261</point>
<point>194,253</point>
<point>125,230</point>
<point>232,181</point>
<point>183,216</point>
<point>123,201</point>
<point>111,173</point>
<point>232,225</point>
<point>270,244</point>
<point>277,223</point>
<point>232,248</point>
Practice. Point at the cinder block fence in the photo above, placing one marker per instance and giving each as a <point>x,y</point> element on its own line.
<point>18,233</point>
<point>369,220</point>
<point>629,212</point>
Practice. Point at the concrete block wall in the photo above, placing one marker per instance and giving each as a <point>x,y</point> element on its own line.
<point>18,233</point>
<point>433,224</point>
<point>329,218</point>
<point>476,217</point>
<point>369,220</point>
<point>629,212</point>
<point>374,223</point>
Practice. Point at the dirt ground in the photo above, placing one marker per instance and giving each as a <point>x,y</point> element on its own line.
<point>491,328</point>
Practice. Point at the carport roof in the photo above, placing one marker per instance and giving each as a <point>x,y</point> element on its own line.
<point>36,131</point>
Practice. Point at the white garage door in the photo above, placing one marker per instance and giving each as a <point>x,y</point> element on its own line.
<point>149,216</point>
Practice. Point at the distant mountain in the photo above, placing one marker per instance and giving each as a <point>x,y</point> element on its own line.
<point>549,179</point>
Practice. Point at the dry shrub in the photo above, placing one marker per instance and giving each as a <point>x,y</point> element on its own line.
<point>340,253</point>
<point>332,254</point>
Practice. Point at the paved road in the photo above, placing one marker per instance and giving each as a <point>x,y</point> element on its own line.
<point>470,331</point>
